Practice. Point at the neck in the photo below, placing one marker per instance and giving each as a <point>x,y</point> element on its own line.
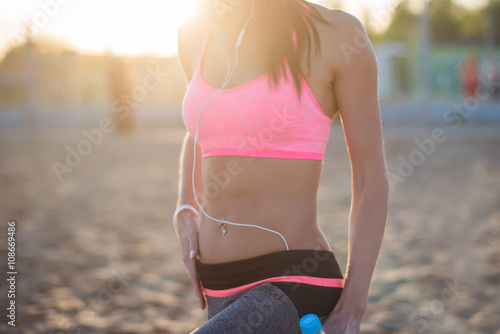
<point>231,21</point>
<point>228,35</point>
<point>233,32</point>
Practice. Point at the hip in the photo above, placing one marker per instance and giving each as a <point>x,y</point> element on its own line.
<point>311,279</point>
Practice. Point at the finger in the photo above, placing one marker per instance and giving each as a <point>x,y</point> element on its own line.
<point>193,254</point>
<point>193,245</point>
<point>195,282</point>
<point>358,328</point>
<point>190,263</point>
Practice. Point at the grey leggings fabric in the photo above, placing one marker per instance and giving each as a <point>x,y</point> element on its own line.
<point>263,309</point>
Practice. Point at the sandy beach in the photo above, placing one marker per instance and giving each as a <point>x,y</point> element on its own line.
<point>96,253</point>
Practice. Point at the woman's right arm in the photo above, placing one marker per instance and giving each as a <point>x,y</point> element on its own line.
<point>187,222</point>
<point>186,195</point>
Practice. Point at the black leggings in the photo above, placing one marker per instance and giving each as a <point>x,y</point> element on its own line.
<point>241,294</point>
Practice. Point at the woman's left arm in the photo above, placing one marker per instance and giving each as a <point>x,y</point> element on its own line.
<point>355,86</point>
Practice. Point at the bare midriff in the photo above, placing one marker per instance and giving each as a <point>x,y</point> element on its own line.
<point>277,194</point>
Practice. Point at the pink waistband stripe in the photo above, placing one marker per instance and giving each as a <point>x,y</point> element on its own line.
<point>318,281</point>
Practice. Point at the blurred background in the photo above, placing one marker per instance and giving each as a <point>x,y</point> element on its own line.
<point>91,132</point>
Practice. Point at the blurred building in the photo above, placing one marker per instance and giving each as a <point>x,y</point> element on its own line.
<point>69,87</point>
<point>392,60</point>
<point>45,86</point>
<point>400,85</point>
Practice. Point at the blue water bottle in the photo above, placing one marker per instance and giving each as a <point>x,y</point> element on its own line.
<point>310,324</point>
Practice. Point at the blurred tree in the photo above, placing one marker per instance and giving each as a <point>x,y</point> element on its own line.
<point>446,20</point>
<point>473,26</point>
<point>450,23</point>
<point>119,82</point>
<point>492,18</point>
<point>403,25</point>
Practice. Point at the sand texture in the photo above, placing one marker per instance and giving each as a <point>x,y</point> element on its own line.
<point>96,253</point>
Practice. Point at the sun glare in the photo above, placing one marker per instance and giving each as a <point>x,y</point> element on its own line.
<point>135,27</point>
<point>122,27</point>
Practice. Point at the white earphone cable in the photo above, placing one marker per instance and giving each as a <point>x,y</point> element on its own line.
<point>229,74</point>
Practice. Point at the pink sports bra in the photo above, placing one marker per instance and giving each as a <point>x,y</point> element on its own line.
<point>253,120</point>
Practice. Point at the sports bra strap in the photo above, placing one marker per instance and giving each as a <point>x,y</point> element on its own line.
<point>202,52</point>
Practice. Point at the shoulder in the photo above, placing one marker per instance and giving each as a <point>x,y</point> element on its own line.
<point>190,36</point>
<point>339,20</point>
<point>344,40</point>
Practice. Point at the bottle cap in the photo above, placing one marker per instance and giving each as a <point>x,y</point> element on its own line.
<point>310,324</point>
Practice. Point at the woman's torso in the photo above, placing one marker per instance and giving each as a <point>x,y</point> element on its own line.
<point>278,194</point>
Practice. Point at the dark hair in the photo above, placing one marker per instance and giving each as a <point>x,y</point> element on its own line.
<point>280,19</point>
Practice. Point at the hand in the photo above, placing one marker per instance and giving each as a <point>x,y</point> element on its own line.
<point>342,322</point>
<point>187,227</point>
